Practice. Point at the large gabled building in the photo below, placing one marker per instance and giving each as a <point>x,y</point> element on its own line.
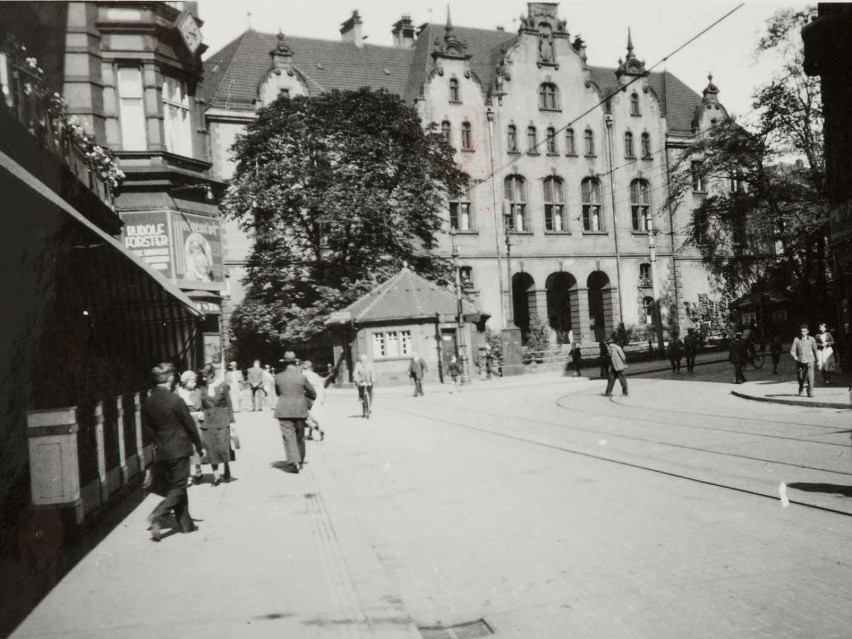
<point>570,162</point>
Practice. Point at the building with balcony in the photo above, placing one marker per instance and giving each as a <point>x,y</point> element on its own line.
<point>112,258</point>
<point>569,161</point>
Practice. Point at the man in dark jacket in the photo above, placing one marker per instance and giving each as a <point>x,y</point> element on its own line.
<point>690,349</point>
<point>294,393</point>
<point>416,370</point>
<point>738,356</point>
<point>166,418</point>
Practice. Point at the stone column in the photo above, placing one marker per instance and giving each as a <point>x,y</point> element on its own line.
<point>54,465</point>
<point>585,326</point>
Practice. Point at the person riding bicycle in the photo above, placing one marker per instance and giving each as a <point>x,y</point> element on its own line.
<point>751,339</point>
<point>364,375</point>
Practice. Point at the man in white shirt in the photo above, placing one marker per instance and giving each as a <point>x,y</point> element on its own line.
<point>315,411</point>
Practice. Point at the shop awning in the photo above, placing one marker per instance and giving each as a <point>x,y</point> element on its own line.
<point>105,240</point>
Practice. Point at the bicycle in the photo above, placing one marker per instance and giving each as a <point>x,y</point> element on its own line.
<point>756,359</point>
<point>366,400</point>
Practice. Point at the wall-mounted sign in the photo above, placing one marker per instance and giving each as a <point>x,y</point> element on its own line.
<point>186,247</point>
<point>147,234</point>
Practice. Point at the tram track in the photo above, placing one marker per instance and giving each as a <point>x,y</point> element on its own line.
<point>639,466</point>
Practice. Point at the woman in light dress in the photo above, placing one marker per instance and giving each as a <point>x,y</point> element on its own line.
<point>188,391</point>
<point>825,353</point>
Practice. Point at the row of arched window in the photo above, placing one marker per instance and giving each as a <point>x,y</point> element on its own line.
<point>548,97</point>
<point>553,190</point>
<point>551,141</point>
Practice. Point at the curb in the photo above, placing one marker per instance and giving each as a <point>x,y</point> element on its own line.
<point>792,402</point>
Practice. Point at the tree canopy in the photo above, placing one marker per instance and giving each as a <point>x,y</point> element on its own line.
<point>762,227</point>
<point>338,192</point>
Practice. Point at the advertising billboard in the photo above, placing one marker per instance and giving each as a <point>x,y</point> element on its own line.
<point>185,247</point>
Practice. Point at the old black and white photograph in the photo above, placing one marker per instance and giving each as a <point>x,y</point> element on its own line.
<point>397,319</point>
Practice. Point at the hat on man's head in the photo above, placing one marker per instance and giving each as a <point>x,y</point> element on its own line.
<point>232,365</point>
<point>289,356</point>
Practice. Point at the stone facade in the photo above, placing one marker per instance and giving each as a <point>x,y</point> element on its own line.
<point>569,162</point>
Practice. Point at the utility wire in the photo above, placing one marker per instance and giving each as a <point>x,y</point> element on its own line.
<point>615,91</point>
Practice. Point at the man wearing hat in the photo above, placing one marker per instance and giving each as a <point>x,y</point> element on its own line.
<point>618,364</point>
<point>294,394</point>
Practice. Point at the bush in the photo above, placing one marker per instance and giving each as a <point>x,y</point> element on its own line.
<point>539,336</point>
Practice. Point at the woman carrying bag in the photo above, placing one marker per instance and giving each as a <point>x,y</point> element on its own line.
<point>216,429</point>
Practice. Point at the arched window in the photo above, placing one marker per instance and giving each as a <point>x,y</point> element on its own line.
<point>590,188</point>
<point>512,139</point>
<point>648,310</point>
<point>589,137</point>
<point>460,217</point>
<point>466,136</point>
<point>548,97</point>
<point>515,211</point>
<point>570,148</point>
<point>640,205</point>
<point>646,145</point>
<point>445,131</point>
<point>532,140</point>
<point>551,140</point>
<point>628,145</point>
<point>554,205</point>
<point>454,90</point>
<point>634,104</point>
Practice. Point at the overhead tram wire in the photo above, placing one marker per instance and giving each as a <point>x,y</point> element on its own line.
<point>662,60</point>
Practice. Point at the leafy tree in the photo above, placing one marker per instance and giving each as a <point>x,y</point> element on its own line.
<point>338,192</point>
<point>764,223</point>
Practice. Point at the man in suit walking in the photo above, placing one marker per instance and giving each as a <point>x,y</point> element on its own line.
<point>166,418</point>
<point>416,370</point>
<point>294,392</point>
<point>617,366</point>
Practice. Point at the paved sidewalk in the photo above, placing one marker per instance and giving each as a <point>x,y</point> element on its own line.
<point>269,560</point>
<point>787,392</point>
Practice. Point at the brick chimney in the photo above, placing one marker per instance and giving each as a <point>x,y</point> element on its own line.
<point>350,30</point>
<point>403,33</point>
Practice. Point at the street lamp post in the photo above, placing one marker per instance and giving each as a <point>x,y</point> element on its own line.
<point>463,360</point>
<point>504,312</point>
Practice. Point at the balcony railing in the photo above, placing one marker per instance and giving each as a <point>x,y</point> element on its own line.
<point>45,115</point>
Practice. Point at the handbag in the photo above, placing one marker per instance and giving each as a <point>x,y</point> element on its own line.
<point>235,441</point>
<point>155,480</point>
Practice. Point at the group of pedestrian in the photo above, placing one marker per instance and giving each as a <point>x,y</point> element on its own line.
<point>256,388</point>
<point>810,353</point>
<point>189,426</point>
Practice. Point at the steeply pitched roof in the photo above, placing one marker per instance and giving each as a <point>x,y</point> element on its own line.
<point>233,74</point>
<point>405,296</point>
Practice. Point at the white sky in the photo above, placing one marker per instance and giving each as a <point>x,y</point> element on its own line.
<point>658,28</point>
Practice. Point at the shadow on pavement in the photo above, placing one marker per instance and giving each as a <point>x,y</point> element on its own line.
<point>834,489</point>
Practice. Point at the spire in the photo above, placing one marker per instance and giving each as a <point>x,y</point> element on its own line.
<point>630,65</point>
<point>711,92</point>
<point>450,46</point>
<point>449,21</point>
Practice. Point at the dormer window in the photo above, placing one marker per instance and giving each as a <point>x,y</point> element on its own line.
<point>548,97</point>
<point>455,96</point>
<point>634,104</point>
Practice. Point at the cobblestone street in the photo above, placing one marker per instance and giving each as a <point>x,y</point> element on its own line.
<point>532,503</point>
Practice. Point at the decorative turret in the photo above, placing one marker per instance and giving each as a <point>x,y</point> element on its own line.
<point>711,92</point>
<point>450,46</point>
<point>631,65</point>
<point>282,56</point>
